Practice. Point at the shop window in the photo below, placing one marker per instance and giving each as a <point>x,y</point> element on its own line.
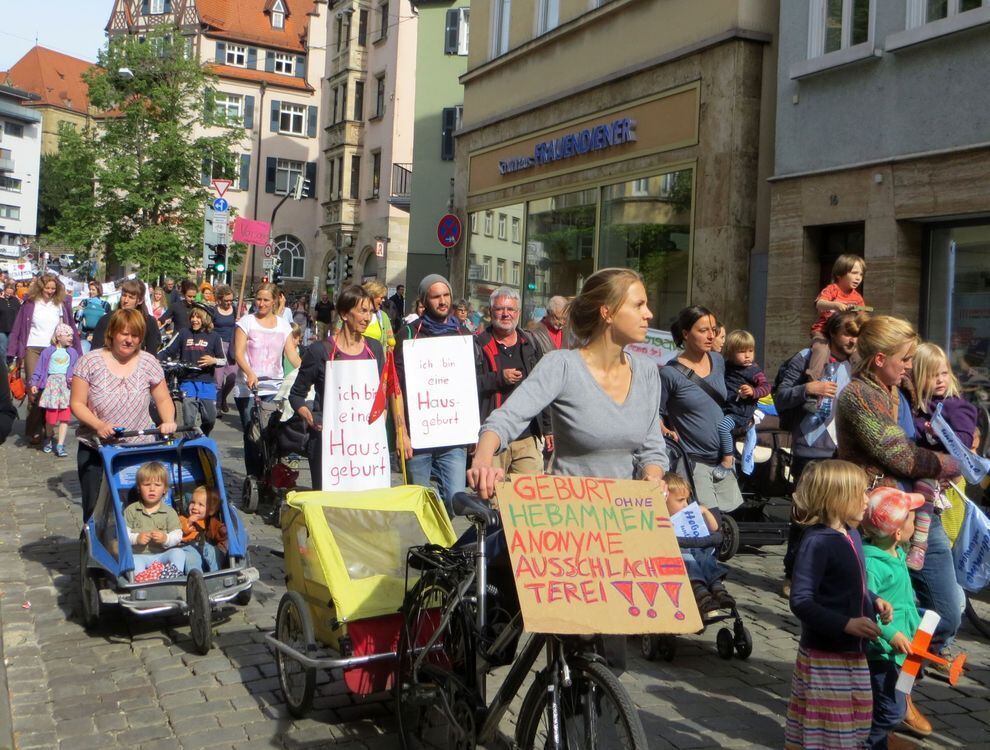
<point>646,226</point>
<point>957,302</point>
<point>838,24</point>
<point>494,259</point>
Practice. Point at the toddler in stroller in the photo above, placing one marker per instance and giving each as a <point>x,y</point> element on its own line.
<point>204,536</point>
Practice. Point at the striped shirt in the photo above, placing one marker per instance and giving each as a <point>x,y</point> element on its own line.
<point>121,402</point>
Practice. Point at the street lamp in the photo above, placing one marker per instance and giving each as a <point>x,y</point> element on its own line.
<point>126,73</point>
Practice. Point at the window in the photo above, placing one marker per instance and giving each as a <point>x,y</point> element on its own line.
<point>921,12</point>
<point>376,173</point>
<point>487,267</point>
<point>380,97</point>
<point>362,39</point>
<point>10,184</point>
<point>278,15</point>
<point>450,121</point>
<point>500,271</point>
<point>228,108</point>
<point>501,10</point>
<point>286,174</point>
<point>156,7</point>
<point>340,178</point>
<point>292,119</point>
<point>383,20</point>
<point>336,101</point>
<point>359,100</point>
<point>488,225</point>
<point>289,250</point>
<point>9,212</point>
<point>333,176</point>
<point>355,177</point>
<point>285,64</point>
<point>474,224</point>
<point>515,271</point>
<point>13,129</point>
<point>837,25</point>
<point>515,234</point>
<point>455,38</point>
<point>548,16</point>
<point>340,32</point>
<point>501,227</point>
<point>237,55</point>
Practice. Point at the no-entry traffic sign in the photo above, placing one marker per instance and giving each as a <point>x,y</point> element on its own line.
<point>449,230</point>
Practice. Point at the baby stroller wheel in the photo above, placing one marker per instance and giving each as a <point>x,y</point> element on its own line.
<point>743,641</point>
<point>250,494</point>
<point>294,627</point>
<point>730,538</point>
<point>90,593</point>
<point>723,643</point>
<point>198,601</point>
<point>648,647</point>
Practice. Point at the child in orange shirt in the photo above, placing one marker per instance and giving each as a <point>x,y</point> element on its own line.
<point>204,536</point>
<point>839,296</point>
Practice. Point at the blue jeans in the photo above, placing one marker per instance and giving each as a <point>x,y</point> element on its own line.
<point>174,556</point>
<point>936,586</point>
<point>702,565</point>
<point>209,560</point>
<point>889,706</point>
<point>448,465</point>
<point>252,456</point>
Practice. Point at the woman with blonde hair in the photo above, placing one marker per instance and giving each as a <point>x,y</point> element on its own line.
<point>875,430</point>
<point>380,327</point>
<point>45,306</point>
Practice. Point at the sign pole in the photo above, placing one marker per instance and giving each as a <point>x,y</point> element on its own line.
<point>240,297</point>
<point>398,419</point>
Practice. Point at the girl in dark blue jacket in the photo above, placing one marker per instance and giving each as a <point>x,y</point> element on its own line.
<point>831,700</point>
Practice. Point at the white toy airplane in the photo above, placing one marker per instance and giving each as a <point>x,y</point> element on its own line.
<point>920,654</point>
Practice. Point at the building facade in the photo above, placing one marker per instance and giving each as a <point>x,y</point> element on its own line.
<point>269,59</point>
<point>883,150</point>
<point>20,162</point>
<point>368,138</point>
<point>441,58</point>
<point>627,133</point>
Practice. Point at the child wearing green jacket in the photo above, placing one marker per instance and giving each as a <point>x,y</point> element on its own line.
<point>887,525</point>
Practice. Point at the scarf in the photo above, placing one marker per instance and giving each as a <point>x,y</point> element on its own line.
<point>439,328</point>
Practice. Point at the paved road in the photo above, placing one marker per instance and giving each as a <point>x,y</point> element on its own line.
<point>137,684</point>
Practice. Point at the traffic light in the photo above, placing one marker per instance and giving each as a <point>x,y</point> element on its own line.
<point>218,259</point>
<point>301,189</point>
<point>348,266</point>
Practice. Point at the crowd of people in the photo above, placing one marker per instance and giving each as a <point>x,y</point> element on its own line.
<point>564,394</point>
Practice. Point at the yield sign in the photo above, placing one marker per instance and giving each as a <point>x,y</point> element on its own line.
<point>221,186</point>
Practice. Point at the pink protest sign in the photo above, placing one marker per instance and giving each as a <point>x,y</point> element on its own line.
<point>251,232</point>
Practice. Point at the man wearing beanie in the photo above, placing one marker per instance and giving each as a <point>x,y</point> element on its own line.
<point>449,463</point>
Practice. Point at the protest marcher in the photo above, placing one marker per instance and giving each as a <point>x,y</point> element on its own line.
<point>324,316</point>
<point>549,332</point>
<point>201,346</point>
<point>462,310</point>
<point>224,321</point>
<point>8,412</point>
<point>131,298</point>
<point>178,312</point>
<point>449,463</point>
<point>172,293</point>
<point>159,302</point>
<point>9,305</point>
<point>505,355</point>
<point>380,327</point>
<point>89,313</point>
<point>395,305</point>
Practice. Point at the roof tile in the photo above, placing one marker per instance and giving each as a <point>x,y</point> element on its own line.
<point>248,21</point>
<point>246,74</point>
<point>55,77</point>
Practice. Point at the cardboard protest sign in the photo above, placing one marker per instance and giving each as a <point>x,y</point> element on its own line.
<point>355,453</point>
<point>441,391</point>
<point>595,556</point>
<point>689,522</point>
<point>658,346</point>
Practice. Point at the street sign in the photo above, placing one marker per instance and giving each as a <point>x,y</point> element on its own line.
<point>449,230</point>
<point>267,264</point>
<point>221,187</point>
<point>221,205</point>
<point>220,222</point>
<point>380,248</point>
<point>269,251</point>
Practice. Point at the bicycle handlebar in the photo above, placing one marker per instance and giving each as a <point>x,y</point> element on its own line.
<point>120,432</point>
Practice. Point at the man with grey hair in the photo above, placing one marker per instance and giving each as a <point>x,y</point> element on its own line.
<point>549,332</point>
<point>504,355</point>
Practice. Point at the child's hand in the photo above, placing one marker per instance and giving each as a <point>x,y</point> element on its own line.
<point>900,643</point>
<point>34,390</point>
<point>746,391</point>
<point>195,515</point>
<point>144,537</point>
<point>885,610</point>
<point>842,306</point>
<point>862,627</point>
<point>158,537</point>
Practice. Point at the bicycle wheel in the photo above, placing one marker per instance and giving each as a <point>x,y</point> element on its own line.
<point>978,612</point>
<point>595,712</point>
<point>433,706</point>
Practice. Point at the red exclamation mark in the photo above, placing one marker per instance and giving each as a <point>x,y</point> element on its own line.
<point>650,592</point>
<point>626,589</point>
<point>673,589</point>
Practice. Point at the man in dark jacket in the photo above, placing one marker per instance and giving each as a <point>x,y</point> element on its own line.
<point>324,316</point>
<point>178,312</point>
<point>396,304</point>
<point>9,305</point>
<point>131,296</point>
<point>447,463</point>
<point>504,355</point>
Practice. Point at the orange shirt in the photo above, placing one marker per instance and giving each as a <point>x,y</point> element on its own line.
<point>832,293</point>
<point>211,529</point>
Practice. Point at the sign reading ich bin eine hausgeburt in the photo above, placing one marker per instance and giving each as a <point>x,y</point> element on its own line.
<point>592,555</point>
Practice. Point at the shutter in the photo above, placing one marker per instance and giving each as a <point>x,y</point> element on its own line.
<point>252,58</point>
<point>448,123</point>
<point>207,173</point>
<point>168,6</point>
<point>270,166</point>
<point>311,118</point>
<point>311,176</point>
<point>276,109</point>
<point>145,9</point>
<point>270,61</point>
<point>249,112</point>
<point>301,67</point>
<point>450,32</point>
<point>221,53</point>
<point>245,180</point>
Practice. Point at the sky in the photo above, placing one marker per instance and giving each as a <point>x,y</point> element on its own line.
<point>74,27</point>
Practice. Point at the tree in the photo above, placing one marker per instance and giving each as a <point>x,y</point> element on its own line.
<point>146,159</point>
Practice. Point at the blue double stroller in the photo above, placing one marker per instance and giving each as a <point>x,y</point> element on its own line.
<point>106,559</point>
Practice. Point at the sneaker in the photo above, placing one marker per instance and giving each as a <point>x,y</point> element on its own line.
<point>60,451</point>
<point>49,446</point>
<point>721,472</point>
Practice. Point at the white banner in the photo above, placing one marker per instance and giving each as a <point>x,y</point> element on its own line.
<point>441,391</point>
<point>658,346</point>
<point>974,467</point>
<point>689,522</point>
<point>355,453</point>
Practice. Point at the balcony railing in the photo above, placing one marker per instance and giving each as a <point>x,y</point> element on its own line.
<point>400,194</point>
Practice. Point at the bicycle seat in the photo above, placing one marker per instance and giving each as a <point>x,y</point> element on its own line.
<point>474,509</point>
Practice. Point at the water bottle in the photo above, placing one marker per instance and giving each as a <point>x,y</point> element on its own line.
<point>825,404</point>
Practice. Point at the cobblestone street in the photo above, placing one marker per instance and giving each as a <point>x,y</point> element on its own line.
<point>138,684</point>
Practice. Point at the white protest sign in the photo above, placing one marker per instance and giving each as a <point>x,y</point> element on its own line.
<point>355,453</point>
<point>108,288</point>
<point>658,346</point>
<point>441,391</point>
<point>689,522</point>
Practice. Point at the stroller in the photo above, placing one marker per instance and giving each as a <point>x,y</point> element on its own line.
<point>107,562</point>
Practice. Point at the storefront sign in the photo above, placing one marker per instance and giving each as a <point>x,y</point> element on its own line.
<point>658,346</point>
<point>594,555</point>
<point>595,138</point>
<point>355,453</point>
<point>441,391</point>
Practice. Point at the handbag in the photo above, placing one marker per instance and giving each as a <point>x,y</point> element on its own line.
<point>971,551</point>
<point>17,388</point>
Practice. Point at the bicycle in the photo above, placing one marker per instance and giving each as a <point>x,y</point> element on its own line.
<point>454,633</point>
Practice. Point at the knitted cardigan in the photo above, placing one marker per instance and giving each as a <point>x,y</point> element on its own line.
<point>869,436</point>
